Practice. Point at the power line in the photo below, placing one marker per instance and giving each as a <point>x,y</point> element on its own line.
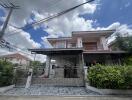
<point>53,5</point>
<point>4,43</point>
<point>51,17</point>
<point>47,19</point>
<point>11,7</point>
<point>41,21</point>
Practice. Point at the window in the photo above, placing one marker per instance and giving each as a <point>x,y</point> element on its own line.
<point>60,44</point>
<point>71,45</point>
<point>90,46</point>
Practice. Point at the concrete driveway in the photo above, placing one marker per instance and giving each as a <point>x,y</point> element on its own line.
<point>65,98</point>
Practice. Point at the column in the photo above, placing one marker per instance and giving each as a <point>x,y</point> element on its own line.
<point>103,41</point>
<point>79,42</point>
<point>85,72</point>
<point>29,78</point>
<point>80,67</point>
<point>47,69</point>
<point>108,60</point>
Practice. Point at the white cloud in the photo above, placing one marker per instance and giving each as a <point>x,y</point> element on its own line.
<point>61,26</point>
<point>21,39</point>
<point>79,24</point>
<point>45,8</point>
<point>3,51</point>
<point>64,26</point>
<point>21,42</point>
<point>121,29</point>
<point>40,57</point>
<point>46,43</point>
<point>124,30</point>
<point>42,9</point>
<point>127,4</point>
<point>2,19</point>
<point>113,26</point>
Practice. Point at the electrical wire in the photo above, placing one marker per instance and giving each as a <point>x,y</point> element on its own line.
<point>4,43</point>
<point>47,19</point>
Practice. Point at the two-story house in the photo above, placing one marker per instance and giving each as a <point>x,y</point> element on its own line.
<point>71,54</point>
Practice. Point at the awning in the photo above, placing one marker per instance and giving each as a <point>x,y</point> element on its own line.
<point>54,51</point>
<point>104,52</point>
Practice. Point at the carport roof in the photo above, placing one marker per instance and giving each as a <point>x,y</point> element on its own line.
<point>103,52</point>
<point>53,51</point>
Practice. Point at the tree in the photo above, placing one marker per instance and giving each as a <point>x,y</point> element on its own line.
<point>124,43</point>
<point>35,63</point>
<point>6,73</point>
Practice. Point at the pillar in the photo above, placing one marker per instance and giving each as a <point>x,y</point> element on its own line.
<point>80,67</point>
<point>29,78</point>
<point>85,72</point>
<point>47,69</point>
<point>79,42</point>
<point>108,60</point>
<point>103,41</point>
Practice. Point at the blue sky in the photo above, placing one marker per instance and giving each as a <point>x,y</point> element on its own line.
<point>110,11</point>
<point>106,13</point>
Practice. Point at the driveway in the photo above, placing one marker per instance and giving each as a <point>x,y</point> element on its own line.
<point>64,98</point>
<point>49,91</point>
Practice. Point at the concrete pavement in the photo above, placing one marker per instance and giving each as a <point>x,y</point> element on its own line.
<point>65,97</point>
<point>49,91</point>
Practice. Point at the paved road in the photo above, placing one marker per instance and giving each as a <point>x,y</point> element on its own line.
<point>64,98</point>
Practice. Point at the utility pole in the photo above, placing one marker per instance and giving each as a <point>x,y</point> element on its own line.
<point>11,7</point>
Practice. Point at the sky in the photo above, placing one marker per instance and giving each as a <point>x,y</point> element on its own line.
<point>98,15</point>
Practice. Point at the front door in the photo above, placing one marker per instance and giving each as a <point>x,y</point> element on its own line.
<point>70,72</point>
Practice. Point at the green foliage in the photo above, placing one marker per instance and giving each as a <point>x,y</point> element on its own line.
<point>6,73</point>
<point>124,43</point>
<point>36,65</point>
<point>127,73</point>
<point>128,60</point>
<point>112,77</point>
<point>21,73</point>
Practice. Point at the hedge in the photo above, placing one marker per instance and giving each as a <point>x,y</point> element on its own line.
<point>110,77</point>
<point>6,73</point>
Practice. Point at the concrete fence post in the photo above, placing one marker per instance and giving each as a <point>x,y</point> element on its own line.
<point>85,72</point>
<point>28,83</point>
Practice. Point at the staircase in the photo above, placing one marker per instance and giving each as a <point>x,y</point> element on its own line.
<point>52,81</point>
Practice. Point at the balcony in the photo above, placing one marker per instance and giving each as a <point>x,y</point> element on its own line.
<point>64,45</point>
<point>89,46</point>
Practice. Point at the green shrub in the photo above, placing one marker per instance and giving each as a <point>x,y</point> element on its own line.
<point>128,76</point>
<point>128,60</point>
<point>124,43</point>
<point>6,73</point>
<point>114,77</point>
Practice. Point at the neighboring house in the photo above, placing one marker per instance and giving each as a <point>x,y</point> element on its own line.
<point>17,58</point>
<point>71,54</point>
